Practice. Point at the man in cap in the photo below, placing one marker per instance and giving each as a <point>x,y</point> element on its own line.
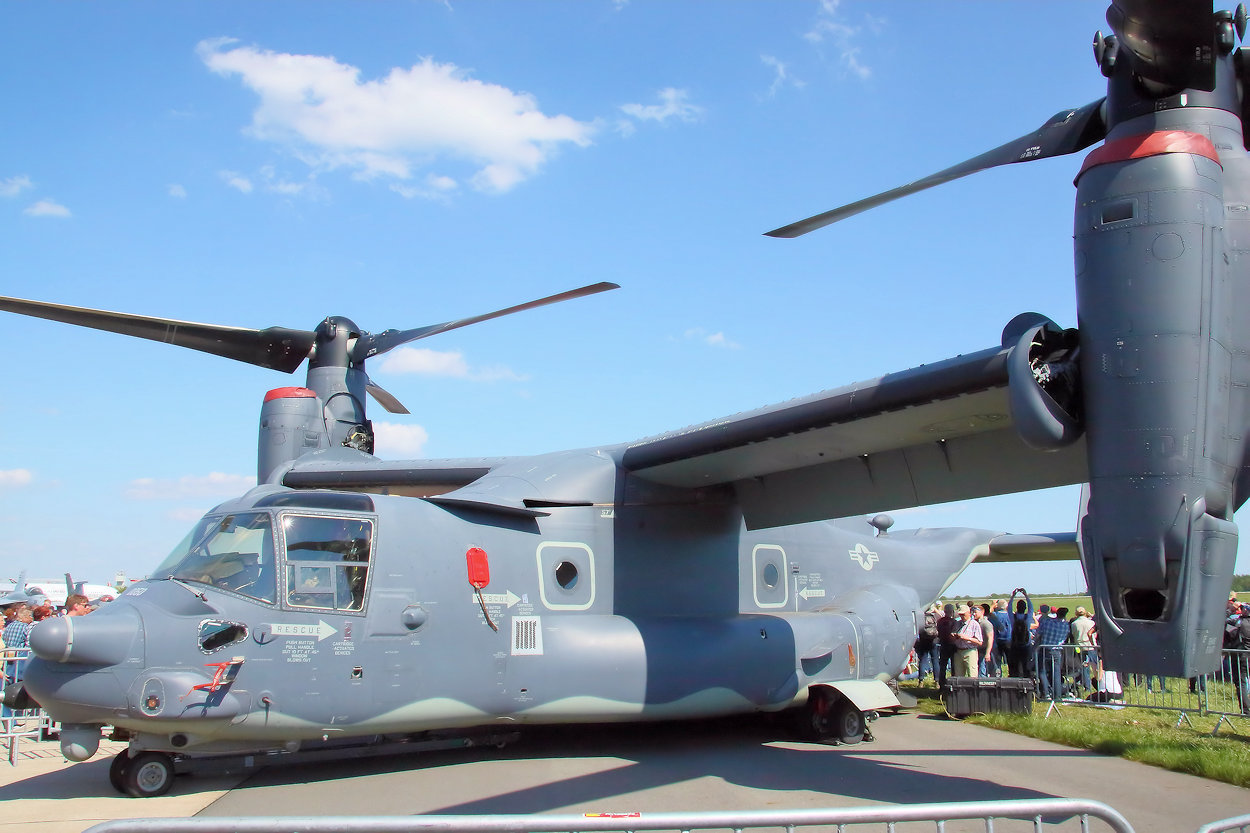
<point>1082,634</point>
<point>968,639</point>
<point>1237,654</point>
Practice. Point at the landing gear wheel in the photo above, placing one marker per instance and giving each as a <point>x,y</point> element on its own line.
<point>148,774</point>
<point>828,716</point>
<point>848,722</point>
<point>117,770</point>
<point>815,719</point>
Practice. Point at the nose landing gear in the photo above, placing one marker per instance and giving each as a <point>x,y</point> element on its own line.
<point>146,775</point>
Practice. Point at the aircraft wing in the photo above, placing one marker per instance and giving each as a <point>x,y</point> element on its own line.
<point>932,434</point>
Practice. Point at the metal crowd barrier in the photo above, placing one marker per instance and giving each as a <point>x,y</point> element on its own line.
<point>1241,823</point>
<point>1032,814</point>
<point>1066,674</point>
<point>18,724</point>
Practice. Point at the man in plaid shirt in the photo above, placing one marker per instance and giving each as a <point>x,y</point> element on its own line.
<point>1051,632</point>
<point>968,638</point>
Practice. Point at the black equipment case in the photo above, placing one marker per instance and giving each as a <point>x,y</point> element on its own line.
<point>981,695</point>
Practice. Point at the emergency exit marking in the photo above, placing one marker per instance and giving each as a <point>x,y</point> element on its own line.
<point>320,630</point>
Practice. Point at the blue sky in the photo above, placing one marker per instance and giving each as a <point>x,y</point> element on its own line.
<point>402,164</point>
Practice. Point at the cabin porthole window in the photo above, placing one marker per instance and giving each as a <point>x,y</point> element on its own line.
<point>771,575</point>
<point>566,575</point>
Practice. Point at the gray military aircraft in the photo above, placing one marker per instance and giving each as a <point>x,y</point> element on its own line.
<point>703,572</point>
<point>348,598</point>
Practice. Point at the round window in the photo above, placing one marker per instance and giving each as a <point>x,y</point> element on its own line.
<point>771,575</point>
<point>566,575</point>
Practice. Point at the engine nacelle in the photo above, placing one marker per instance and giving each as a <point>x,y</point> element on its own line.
<point>291,425</point>
<point>1165,435</point>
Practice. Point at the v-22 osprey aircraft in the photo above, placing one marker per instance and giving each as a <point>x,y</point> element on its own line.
<point>704,571</point>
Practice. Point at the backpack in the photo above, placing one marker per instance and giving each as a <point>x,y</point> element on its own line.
<point>929,628</point>
<point>1243,633</point>
<point>1019,630</point>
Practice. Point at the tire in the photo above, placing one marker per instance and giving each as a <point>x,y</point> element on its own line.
<point>117,770</point>
<point>848,722</point>
<point>149,774</point>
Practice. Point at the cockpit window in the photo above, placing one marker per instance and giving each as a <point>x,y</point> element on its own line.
<point>234,552</point>
<point>327,561</point>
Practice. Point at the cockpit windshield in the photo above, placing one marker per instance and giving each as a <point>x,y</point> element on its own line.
<point>234,552</point>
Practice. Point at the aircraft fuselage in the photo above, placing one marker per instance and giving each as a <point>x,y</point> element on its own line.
<point>357,615</point>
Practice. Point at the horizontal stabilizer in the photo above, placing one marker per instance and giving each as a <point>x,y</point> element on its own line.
<point>1007,548</point>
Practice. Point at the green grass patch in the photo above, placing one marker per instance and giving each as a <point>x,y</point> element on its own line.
<point>1149,736</point>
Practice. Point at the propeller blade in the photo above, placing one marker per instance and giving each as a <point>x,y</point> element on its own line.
<point>1169,42</point>
<point>375,344</point>
<point>275,347</point>
<point>385,398</point>
<point>1066,132</point>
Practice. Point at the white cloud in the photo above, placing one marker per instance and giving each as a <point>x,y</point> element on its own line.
<point>47,208</point>
<point>423,362</point>
<point>214,485</point>
<point>781,75</point>
<point>398,441</point>
<point>829,27</point>
<point>329,117</point>
<point>274,183</point>
<point>673,104</point>
<point>236,181</point>
<point>14,185</point>
<point>185,514</point>
<point>177,191</point>
<point>435,187</point>
<point>717,339</point>
<point>14,478</point>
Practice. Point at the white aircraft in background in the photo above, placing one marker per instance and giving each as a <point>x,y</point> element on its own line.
<point>55,590</point>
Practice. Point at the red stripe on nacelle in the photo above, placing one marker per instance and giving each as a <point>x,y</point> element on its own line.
<point>289,393</point>
<point>1151,144</point>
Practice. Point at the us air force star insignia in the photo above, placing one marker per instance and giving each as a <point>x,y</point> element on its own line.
<point>864,556</point>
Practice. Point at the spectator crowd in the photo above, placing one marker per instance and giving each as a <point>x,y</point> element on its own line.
<point>1059,652</point>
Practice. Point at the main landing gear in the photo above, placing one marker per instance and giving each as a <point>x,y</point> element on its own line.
<point>829,716</point>
<point>146,775</point>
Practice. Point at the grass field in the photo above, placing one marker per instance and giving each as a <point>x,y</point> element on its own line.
<point>1054,601</point>
<point>1145,735</point>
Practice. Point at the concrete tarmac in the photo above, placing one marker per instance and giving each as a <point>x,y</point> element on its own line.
<point>41,792</point>
<point>745,764</point>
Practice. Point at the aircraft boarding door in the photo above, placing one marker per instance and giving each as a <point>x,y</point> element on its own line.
<point>325,595</point>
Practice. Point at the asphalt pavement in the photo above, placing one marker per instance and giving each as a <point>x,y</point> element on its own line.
<point>747,764</point>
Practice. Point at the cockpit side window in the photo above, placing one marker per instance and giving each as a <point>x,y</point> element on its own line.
<point>234,552</point>
<point>327,561</point>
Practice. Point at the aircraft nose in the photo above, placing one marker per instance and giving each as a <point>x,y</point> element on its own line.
<point>99,638</point>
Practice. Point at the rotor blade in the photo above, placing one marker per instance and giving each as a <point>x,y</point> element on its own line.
<point>375,344</point>
<point>1066,132</point>
<point>1170,42</point>
<point>275,347</point>
<point>385,398</point>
